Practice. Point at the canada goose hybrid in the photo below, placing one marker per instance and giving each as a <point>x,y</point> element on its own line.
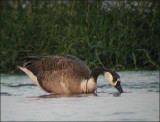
<point>65,74</point>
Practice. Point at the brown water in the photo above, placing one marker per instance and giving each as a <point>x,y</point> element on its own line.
<point>23,101</point>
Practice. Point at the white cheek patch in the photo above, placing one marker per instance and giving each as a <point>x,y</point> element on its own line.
<point>118,80</point>
<point>108,76</point>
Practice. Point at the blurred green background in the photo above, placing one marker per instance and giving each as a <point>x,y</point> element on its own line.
<point>120,35</point>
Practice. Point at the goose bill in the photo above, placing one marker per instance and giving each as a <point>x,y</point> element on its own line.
<point>118,87</point>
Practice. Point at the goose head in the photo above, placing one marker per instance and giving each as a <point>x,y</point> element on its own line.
<point>111,76</point>
<point>114,79</point>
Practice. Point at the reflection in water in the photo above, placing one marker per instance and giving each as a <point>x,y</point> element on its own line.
<point>116,94</point>
<point>65,95</point>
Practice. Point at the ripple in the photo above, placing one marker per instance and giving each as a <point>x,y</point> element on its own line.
<point>123,113</point>
<point>155,83</point>
<point>150,90</point>
<point>105,86</point>
<point>20,85</point>
<point>5,94</point>
<point>142,85</point>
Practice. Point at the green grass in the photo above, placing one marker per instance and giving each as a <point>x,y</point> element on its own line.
<point>118,39</point>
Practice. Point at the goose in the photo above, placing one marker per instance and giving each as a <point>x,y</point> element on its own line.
<point>66,74</point>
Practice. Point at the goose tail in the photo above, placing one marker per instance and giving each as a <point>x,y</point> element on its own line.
<point>30,74</point>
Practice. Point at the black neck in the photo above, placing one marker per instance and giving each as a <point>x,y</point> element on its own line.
<point>96,72</point>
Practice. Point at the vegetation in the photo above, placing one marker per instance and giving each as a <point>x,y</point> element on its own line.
<point>124,36</point>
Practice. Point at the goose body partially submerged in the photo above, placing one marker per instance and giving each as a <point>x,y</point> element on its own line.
<point>64,74</point>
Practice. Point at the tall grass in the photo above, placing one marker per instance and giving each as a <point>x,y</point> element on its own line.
<point>119,38</point>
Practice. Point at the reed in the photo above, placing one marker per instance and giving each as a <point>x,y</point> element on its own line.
<point>119,38</point>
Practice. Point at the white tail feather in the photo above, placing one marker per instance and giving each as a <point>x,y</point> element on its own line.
<point>31,75</point>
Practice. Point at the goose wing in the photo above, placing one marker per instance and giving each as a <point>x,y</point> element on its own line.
<point>60,81</point>
<point>57,62</point>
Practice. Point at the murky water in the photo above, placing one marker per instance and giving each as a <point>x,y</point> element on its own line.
<point>21,100</point>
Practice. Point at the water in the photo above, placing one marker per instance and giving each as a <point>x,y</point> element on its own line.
<point>23,101</point>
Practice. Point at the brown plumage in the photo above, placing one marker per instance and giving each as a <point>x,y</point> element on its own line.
<point>63,74</point>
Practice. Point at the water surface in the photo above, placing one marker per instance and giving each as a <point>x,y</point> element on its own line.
<point>21,100</point>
